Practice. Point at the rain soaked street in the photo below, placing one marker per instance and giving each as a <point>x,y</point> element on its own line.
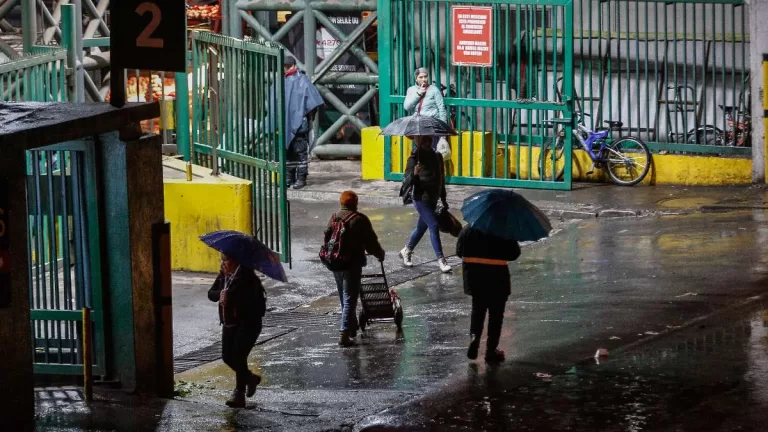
<point>676,300</point>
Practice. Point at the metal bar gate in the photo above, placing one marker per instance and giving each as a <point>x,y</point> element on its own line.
<point>62,208</point>
<point>503,112</point>
<point>65,267</point>
<point>238,125</point>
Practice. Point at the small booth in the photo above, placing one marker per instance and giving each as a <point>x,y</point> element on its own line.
<point>81,228</point>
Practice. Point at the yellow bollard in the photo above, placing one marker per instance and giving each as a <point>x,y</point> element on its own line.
<point>189,171</point>
<point>87,354</point>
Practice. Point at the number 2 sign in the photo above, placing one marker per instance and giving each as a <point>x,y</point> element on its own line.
<point>149,34</point>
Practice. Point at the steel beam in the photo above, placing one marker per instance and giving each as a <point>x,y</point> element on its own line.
<point>331,151</point>
<point>360,78</point>
<point>263,32</point>
<point>297,5</point>
<point>354,49</point>
<point>348,114</point>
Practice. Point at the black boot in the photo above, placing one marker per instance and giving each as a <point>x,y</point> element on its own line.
<point>291,180</point>
<point>474,345</point>
<point>301,181</point>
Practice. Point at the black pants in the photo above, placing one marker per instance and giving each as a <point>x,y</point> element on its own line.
<point>236,344</point>
<point>297,158</point>
<point>494,304</point>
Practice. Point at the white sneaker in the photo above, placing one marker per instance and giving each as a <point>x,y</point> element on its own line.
<point>406,254</point>
<point>444,267</point>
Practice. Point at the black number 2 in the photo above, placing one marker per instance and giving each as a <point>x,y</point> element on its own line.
<point>145,39</point>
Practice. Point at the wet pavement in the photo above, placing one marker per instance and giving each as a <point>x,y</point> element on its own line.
<point>676,300</point>
<point>585,201</point>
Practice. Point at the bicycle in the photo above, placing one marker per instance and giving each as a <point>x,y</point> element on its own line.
<point>699,134</point>
<point>627,159</point>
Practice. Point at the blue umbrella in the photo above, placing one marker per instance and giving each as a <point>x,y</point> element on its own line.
<point>248,251</point>
<point>506,214</point>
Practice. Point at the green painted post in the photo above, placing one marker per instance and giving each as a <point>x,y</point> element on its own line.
<point>29,27</point>
<point>68,42</point>
<point>182,117</point>
<point>385,79</point>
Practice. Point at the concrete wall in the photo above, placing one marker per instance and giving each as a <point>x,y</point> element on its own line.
<point>198,207</point>
<point>759,49</point>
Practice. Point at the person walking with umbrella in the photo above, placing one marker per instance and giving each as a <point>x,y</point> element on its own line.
<point>242,302</point>
<point>496,220</point>
<point>424,181</point>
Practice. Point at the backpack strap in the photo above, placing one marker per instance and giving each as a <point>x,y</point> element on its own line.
<point>349,217</point>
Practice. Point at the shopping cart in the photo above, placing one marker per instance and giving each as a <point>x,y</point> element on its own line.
<point>378,302</point>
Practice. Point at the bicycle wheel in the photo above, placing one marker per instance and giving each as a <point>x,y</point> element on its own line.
<point>546,162</point>
<point>627,160</point>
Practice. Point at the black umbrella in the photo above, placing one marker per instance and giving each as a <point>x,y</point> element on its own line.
<point>418,125</point>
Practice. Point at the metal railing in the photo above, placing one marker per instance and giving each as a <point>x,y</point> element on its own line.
<point>34,78</point>
<point>676,73</point>
<point>238,126</point>
<point>310,14</point>
<point>504,111</point>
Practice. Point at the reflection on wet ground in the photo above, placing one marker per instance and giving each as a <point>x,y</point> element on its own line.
<point>599,284</point>
<point>706,378</point>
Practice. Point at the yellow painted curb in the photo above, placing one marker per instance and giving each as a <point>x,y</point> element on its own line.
<point>666,169</point>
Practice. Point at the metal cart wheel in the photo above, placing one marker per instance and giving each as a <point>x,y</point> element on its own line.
<point>398,315</point>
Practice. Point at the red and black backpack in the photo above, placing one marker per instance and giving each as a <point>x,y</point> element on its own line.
<point>332,252</point>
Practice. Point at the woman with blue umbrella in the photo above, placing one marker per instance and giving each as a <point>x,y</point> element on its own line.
<point>242,302</point>
<point>496,220</point>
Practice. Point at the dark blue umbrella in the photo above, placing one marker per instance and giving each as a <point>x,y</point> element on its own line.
<point>248,251</point>
<point>418,125</point>
<point>505,214</point>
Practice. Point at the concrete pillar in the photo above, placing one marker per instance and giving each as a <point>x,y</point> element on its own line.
<point>17,409</point>
<point>758,46</point>
<point>134,204</point>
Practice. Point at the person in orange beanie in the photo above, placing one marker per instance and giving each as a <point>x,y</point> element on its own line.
<point>348,237</point>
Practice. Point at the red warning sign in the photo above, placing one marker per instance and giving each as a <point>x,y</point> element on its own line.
<point>472,35</point>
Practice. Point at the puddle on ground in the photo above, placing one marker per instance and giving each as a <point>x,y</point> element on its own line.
<point>708,378</point>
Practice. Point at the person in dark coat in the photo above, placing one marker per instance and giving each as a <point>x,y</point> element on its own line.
<point>486,279</point>
<point>301,103</point>
<point>358,239</point>
<point>425,171</point>
<point>242,304</point>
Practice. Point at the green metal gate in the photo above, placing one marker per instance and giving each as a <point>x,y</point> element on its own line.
<point>238,125</point>
<point>65,266</point>
<point>62,209</point>
<point>504,111</point>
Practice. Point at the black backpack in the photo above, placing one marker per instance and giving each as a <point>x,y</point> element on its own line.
<point>332,252</point>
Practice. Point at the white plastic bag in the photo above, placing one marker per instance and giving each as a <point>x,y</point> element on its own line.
<point>444,148</point>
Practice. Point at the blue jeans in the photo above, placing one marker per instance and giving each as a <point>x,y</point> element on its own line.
<point>427,220</point>
<point>348,284</point>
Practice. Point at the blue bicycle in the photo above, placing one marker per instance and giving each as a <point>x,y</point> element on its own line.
<point>627,159</point>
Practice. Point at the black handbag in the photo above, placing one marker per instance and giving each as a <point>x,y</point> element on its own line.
<point>447,222</point>
<point>406,191</point>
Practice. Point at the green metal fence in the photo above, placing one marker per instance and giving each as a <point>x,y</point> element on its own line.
<point>238,126</point>
<point>503,112</point>
<point>676,73</point>
<point>37,78</point>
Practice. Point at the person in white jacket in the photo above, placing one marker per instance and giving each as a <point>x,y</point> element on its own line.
<point>427,100</point>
